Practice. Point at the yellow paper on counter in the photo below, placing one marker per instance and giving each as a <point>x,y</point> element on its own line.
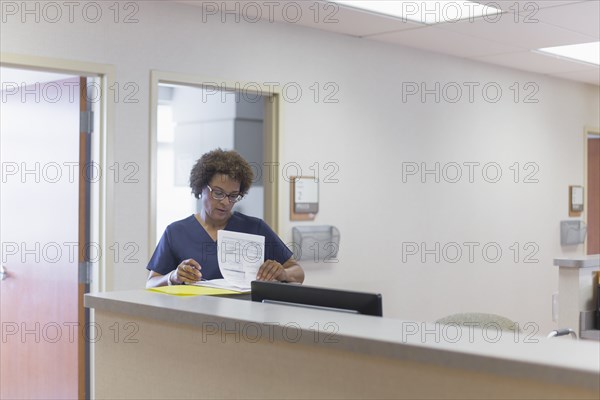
<point>189,290</point>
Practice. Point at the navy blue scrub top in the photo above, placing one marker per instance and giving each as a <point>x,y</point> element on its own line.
<point>187,239</point>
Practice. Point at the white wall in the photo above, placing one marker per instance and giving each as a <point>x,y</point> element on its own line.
<point>368,134</point>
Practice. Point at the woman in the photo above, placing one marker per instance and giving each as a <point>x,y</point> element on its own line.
<point>187,251</point>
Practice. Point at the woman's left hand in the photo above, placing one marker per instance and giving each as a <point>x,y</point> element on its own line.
<point>271,271</point>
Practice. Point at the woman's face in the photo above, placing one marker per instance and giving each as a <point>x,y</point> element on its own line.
<point>219,211</point>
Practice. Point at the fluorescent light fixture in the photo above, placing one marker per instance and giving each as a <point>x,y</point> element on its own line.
<point>584,52</point>
<point>426,12</point>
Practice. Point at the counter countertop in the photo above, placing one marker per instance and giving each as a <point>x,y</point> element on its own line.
<point>575,363</point>
<point>591,261</point>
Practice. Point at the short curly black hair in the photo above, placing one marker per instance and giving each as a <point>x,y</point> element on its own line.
<point>226,162</point>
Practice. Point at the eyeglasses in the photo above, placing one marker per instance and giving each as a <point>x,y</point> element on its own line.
<point>220,195</point>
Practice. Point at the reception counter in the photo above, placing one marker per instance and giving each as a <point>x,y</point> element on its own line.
<point>152,345</point>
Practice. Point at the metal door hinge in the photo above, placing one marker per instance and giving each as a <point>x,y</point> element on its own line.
<point>3,273</point>
<point>86,121</point>
<point>85,272</point>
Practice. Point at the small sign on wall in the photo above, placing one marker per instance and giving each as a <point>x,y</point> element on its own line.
<point>304,198</point>
<point>575,201</point>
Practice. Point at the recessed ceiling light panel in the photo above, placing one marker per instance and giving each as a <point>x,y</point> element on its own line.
<point>426,12</point>
<point>583,52</point>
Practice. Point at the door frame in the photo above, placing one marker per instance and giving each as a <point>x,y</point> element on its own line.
<point>588,130</point>
<point>103,233</point>
<point>270,149</point>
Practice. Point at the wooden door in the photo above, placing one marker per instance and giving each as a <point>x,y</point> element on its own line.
<point>39,232</point>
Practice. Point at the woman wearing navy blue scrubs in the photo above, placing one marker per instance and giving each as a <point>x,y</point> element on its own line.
<point>187,251</point>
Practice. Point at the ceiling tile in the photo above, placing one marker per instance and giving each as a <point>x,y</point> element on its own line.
<point>526,35</point>
<point>433,39</point>
<point>582,17</point>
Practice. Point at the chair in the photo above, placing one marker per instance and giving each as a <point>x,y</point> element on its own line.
<point>563,332</point>
<point>480,320</point>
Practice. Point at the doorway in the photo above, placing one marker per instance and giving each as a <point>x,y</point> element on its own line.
<point>47,148</point>
<point>190,118</point>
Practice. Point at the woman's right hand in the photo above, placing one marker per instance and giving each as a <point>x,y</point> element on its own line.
<point>188,271</point>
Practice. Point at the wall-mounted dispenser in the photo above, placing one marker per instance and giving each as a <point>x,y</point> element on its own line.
<point>572,232</point>
<point>316,243</point>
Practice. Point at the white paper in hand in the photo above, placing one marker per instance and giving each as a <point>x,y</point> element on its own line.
<point>240,255</point>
